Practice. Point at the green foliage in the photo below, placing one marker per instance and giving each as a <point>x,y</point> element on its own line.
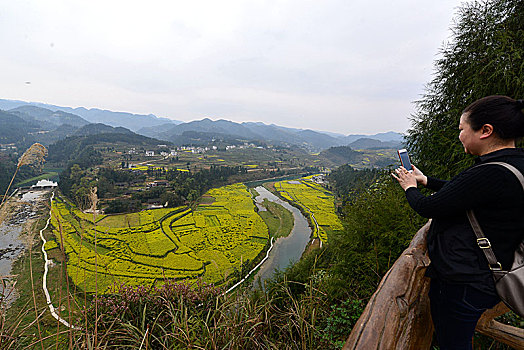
<point>171,199</point>
<point>188,184</point>
<point>76,180</point>
<point>183,185</point>
<point>379,224</point>
<point>483,57</point>
<point>278,219</point>
<point>121,206</point>
<point>341,320</point>
<point>347,182</point>
<point>8,168</point>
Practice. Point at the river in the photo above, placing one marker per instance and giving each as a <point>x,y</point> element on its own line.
<point>286,250</point>
<point>12,239</point>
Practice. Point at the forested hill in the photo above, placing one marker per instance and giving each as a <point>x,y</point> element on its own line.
<point>15,129</point>
<point>206,129</point>
<point>64,150</point>
<point>93,115</point>
<point>48,118</point>
<point>341,154</point>
<point>204,132</point>
<point>99,128</point>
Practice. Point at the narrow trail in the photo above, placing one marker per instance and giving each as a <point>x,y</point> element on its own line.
<point>46,269</point>
<point>253,270</point>
<point>316,224</point>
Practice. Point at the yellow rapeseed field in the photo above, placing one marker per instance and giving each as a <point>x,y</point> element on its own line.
<point>148,247</point>
<point>314,200</point>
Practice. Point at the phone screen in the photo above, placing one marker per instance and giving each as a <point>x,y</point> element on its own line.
<point>404,159</point>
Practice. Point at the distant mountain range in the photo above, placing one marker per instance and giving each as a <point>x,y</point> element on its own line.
<point>49,123</point>
<point>205,130</point>
<point>28,124</point>
<point>94,115</point>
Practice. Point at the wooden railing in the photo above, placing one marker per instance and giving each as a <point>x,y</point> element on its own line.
<point>398,315</point>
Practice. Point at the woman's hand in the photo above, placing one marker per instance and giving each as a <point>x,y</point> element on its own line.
<point>421,178</point>
<point>405,178</point>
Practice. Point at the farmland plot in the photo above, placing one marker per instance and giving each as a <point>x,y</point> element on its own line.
<point>145,248</point>
<point>313,199</point>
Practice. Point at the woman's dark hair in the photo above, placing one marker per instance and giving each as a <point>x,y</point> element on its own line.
<point>502,112</point>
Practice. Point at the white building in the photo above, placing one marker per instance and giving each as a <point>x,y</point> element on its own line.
<point>44,184</point>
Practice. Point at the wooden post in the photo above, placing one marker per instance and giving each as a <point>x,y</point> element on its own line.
<point>398,315</point>
<point>509,335</point>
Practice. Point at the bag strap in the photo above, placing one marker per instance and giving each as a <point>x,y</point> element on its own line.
<point>482,241</point>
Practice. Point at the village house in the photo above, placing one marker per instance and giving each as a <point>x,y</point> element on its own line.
<point>44,184</point>
<point>158,183</point>
<point>6,146</point>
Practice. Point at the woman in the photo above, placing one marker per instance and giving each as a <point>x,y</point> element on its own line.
<point>462,286</point>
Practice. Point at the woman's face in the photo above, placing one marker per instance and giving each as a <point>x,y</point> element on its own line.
<point>470,138</point>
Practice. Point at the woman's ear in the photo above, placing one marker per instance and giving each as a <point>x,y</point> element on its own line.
<point>487,130</point>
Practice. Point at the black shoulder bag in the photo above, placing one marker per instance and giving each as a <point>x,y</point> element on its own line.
<point>509,284</point>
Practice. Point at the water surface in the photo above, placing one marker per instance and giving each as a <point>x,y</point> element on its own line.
<point>287,250</point>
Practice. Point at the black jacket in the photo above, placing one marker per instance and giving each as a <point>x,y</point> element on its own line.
<point>496,197</point>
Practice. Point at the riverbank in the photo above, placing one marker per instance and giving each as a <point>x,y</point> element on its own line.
<point>278,219</point>
<point>17,219</point>
<point>28,316</point>
<point>256,183</point>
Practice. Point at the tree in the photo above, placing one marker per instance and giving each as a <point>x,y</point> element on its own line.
<point>171,199</point>
<point>76,173</point>
<point>485,56</point>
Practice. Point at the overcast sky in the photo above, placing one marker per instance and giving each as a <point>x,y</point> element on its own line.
<point>347,66</point>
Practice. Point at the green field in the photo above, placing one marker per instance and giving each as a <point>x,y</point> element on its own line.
<point>314,200</point>
<point>278,219</point>
<point>145,248</point>
<point>33,180</point>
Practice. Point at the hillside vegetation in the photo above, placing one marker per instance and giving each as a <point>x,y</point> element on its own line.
<point>484,57</point>
<point>315,303</point>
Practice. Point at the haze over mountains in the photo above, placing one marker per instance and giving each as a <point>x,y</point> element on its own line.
<point>48,123</point>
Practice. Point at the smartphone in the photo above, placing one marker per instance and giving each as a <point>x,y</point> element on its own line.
<point>404,159</point>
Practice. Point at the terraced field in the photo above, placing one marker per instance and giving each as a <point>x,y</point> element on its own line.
<point>147,247</point>
<point>315,201</point>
